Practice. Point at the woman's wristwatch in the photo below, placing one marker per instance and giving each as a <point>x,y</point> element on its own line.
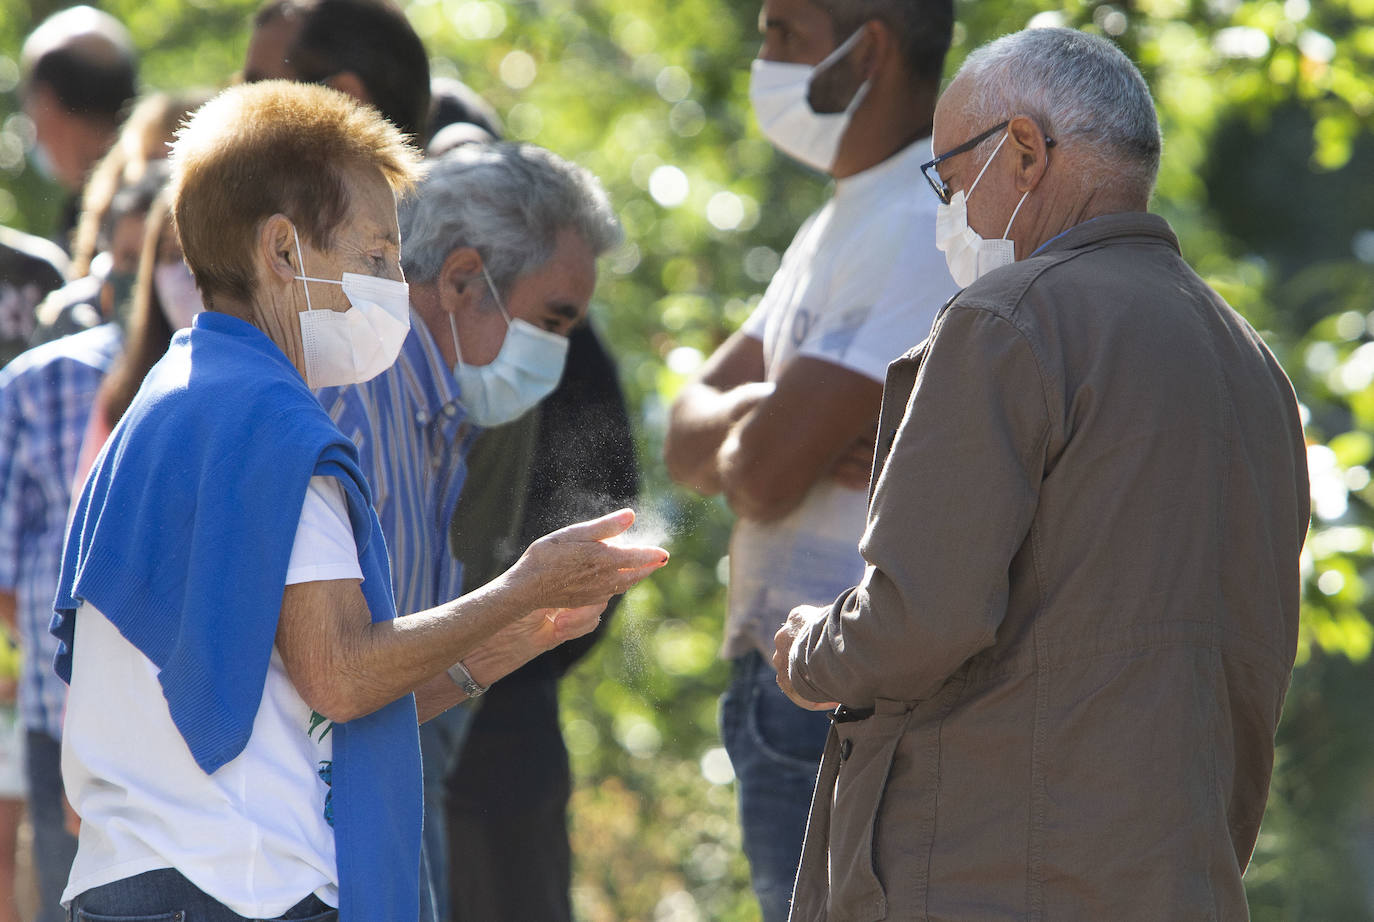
<point>460,675</point>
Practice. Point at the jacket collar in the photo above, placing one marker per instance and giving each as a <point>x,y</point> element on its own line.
<point>1113,227</point>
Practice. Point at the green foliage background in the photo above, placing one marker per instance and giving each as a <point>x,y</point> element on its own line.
<point>1268,176</point>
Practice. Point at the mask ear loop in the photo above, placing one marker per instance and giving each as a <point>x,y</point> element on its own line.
<point>495,294</point>
<point>985,168</point>
<point>840,51</point>
<point>300,257</point>
<point>1014,213</point>
<point>453,326</point>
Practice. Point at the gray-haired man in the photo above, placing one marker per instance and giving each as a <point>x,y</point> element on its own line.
<point>1062,671</point>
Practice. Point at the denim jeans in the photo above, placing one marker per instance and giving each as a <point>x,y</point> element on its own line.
<point>441,740</point>
<point>165,895</point>
<point>775,748</point>
<point>53,847</point>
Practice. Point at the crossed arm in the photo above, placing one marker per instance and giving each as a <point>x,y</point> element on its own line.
<point>766,444</point>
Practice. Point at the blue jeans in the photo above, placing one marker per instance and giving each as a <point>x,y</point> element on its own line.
<point>441,740</point>
<point>775,748</point>
<point>165,895</point>
<point>53,847</point>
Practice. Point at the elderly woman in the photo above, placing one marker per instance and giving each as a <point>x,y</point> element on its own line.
<point>225,598</point>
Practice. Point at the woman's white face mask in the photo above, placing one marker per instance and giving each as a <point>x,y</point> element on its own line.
<point>968,255</point>
<point>356,345</point>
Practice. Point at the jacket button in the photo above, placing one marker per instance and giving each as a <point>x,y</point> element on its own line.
<point>846,747</point>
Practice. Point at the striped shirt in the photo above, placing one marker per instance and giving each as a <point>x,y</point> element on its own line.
<point>412,435</point>
<point>46,396</point>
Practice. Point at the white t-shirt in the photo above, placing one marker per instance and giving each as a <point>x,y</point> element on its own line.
<point>859,285</point>
<point>253,835</point>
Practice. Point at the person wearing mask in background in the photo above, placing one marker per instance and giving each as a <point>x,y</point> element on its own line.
<point>320,40</point>
<point>79,74</point>
<point>105,296</point>
<point>46,397</point>
<point>104,250</point>
<point>365,48</point>
<point>781,418</point>
<point>1064,666</point>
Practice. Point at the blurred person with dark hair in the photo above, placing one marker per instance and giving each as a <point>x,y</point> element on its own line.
<point>30,269</point>
<point>110,232</point>
<point>459,110</point>
<point>146,136</point>
<point>365,48</point>
<point>781,419</point>
<point>105,294</point>
<point>79,74</point>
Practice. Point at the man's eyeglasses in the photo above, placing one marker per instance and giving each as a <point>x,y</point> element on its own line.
<point>938,184</point>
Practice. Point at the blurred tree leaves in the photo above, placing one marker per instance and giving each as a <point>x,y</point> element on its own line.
<point>1268,177</point>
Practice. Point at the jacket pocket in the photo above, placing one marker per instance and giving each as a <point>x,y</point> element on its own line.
<point>866,751</point>
<point>84,916</point>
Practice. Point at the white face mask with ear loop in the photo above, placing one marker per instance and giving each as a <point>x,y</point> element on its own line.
<point>356,345</point>
<point>779,94</point>
<point>968,255</point>
<point>527,368</point>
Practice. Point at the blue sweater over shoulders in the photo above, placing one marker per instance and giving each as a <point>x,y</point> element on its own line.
<point>181,538</point>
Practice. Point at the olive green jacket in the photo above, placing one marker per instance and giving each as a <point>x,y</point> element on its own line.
<point>1080,610</point>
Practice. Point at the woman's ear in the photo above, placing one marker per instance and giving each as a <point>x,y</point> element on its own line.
<point>277,248</point>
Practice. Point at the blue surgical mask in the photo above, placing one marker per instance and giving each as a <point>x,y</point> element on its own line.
<point>525,371</point>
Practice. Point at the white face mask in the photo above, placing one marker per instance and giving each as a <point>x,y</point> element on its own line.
<point>968,255</point>
<point>356,345</point>
<point>177,293</point>
<point>525,371</point>
<point>778,93</point>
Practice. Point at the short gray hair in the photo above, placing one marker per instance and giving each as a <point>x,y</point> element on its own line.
<point>1079,88</point>
<point>508,202</point>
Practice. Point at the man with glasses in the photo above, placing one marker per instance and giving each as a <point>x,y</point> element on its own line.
<point>1063,668</point>
<point>781,419</point>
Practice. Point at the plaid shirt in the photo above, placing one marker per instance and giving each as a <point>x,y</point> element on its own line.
<point>46,396</point>
<point>412,435</point>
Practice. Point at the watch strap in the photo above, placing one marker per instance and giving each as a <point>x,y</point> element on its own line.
<point>460,675</point>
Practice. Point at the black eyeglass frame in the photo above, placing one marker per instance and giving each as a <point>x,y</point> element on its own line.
<point>937,184</point>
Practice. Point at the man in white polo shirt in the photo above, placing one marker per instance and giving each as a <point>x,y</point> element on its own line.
<point>782,417</point>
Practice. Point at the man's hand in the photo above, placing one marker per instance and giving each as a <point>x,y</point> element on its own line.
<point>854,468</point>
<point>799,620</point>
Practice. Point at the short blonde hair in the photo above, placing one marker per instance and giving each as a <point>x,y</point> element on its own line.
<point>260,149</point>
